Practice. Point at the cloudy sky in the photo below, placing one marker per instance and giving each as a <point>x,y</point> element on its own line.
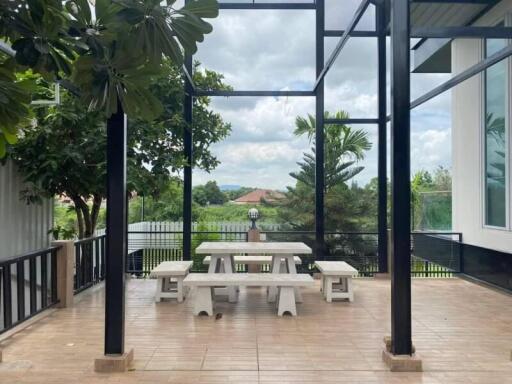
<point>275,50</point>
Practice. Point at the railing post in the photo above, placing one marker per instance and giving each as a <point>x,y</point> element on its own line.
<point>65,272</point>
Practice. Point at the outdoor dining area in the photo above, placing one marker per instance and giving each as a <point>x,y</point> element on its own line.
<point>283,283</point>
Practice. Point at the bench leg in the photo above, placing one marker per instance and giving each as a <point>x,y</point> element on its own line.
<point>179,289</point>
<point>286,301</point>
<point>203,301</point>
<point>159,287</point>
<point>350,291</point>
<point>322,283</point>
<point>328,288</point>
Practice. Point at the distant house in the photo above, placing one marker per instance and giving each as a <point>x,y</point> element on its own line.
<point>260,195</point>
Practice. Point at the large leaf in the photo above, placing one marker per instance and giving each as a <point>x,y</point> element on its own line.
<point>203,8</point>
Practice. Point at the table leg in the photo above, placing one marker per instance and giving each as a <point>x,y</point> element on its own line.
<point>276,266</point>
<point>228,268</point>
<point>214,260</point>
<point>293,269</point>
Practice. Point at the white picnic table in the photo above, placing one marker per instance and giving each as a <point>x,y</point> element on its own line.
<point>223,253</point>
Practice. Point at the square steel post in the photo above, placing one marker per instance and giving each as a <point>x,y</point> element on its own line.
<point>382,141</point>
<point>116,237</point>
<point>188,104</point>
<point>187,170</point>
<point>319,136</point>
<point>400,176</point>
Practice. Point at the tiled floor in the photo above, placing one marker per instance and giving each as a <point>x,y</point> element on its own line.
<point>462,331</point>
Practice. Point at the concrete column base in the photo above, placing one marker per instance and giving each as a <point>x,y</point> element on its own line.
<point>400,363</point>
<point>113,363</point>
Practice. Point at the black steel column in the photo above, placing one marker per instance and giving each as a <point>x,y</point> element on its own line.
<point>116,240</point>
<point>400,176</point>
<point>319,136</point>
<point>382,144</point>
<point>187,171</point>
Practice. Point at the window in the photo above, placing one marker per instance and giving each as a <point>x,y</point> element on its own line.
<point>495,138</point>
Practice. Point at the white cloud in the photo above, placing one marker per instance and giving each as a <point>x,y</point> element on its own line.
<point>275,50</point>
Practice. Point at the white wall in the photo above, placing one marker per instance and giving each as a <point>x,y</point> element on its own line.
<point>23,227</point>
<point>467,144</point>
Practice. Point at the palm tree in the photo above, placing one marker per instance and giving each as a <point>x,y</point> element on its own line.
<point>344,147</point>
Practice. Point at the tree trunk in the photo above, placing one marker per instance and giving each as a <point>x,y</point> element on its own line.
<point>80,220</point>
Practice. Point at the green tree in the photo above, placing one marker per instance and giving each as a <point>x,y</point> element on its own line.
<point>209,193</point>
<point>104,50</point>
<point>431,200</point>
<point>344,147</point>
<point>65,152</point>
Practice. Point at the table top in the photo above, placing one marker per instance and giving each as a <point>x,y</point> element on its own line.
<point>339,268</point>
<point>227,247</point>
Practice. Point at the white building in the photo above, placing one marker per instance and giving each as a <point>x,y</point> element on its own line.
<point>481,116</point>
<point>23,228</point>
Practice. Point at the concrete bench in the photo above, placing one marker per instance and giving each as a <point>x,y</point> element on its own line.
<point>170,275</point>
<point>253,260</point>
<point>336,280</point>
<point>206,282</point>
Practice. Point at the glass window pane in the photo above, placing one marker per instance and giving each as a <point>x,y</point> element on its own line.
<point>495,138</point>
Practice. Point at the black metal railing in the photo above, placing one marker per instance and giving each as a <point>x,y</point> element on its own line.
<point>89,262</point>
<point>148,249</point>
<point>434,254</point>
<point>28,285</point>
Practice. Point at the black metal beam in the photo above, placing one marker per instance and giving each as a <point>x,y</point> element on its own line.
<point>462,32</point>
<point>116,237</point>
<point>400,179</point>
<point>452,1</point>
<point>226,93</point>
<point>459,78</point>
<point>320,248</point>
<point>382,187</point>
<point>344,38</point>
<point>351,121</point>
<point>267,6</point>
<point>334,33</point>
<point>188,103</point>
<point>188,76</point>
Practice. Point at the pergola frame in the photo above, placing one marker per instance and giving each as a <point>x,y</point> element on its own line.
<point>393,19</point>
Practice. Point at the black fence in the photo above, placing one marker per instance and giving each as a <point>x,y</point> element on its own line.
<point>89,262</point>
<point>28,285</point>
<point>148,249</point>
<point>439,252</point>
<point>433,254</point>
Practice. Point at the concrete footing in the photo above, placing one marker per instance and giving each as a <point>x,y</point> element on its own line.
<point>113,363</point>
<point>400,363</point>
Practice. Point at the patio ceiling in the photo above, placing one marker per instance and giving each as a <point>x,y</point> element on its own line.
<point>434,55</point>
